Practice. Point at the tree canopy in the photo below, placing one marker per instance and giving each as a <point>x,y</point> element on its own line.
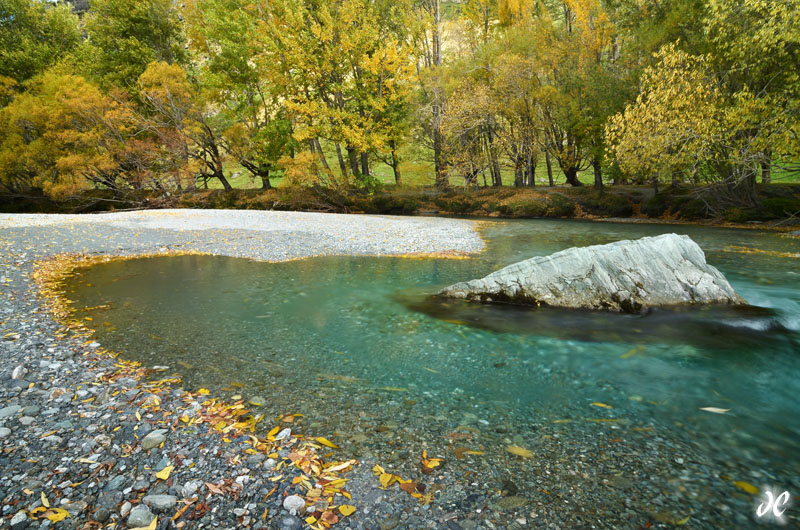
<point>151,94</point>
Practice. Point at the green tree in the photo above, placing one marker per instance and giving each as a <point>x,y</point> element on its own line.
<point>235,67</point>
<point>33,36</point>
<point>124,36</point>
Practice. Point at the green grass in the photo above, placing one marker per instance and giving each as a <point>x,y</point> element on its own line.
<point>416,169</point>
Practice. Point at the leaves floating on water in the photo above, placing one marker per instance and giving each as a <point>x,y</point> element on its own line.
<point>746,486</point>
<point>429,463</point>
<point>715,410</point>
<point>519,451</point>
<point>461,451</point>
<point>633,351</point>
<point>327,443</point>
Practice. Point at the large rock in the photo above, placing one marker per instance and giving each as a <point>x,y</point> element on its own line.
<point>624,276</point>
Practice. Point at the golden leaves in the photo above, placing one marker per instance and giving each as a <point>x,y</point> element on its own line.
<point>164,473</point>
<point>519,451</point>
<point>601,405</point>
<point>327,443</point>
<point>347,510</point>
<point>428,464</point>
<point>746,486</point>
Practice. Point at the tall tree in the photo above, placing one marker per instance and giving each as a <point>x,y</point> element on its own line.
<point>124,36</point>
<point>34,35</point>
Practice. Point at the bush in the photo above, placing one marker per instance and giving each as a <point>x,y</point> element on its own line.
<point>560,206</point>
<point>451,202</point>
<point>778,208</point>
<point>606,204</point>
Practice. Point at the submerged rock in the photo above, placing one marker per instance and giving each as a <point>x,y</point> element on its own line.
<point>625,276</point>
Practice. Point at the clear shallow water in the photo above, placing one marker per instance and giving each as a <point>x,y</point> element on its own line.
<point>339,338</point>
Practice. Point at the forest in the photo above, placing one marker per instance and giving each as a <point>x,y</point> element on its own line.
<point>132,96</point>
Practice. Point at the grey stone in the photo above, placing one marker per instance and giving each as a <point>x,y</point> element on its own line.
<point>290,522</point>
<point>101,515</point>
<point>160,502</point>
<point>5,432</point>
<point>154,439</point>
<point>257,401</point>
<point>115,483</point>
<point>10,410</point>
<point>110,499</point>
<point>19,520</point>
<point>190,488</point>
<point>625,276</point>
<point>26,420</point>
<point>33,410</point>
<point>294,504</point>
<point>256,459</point>
<point>140,516</point>
<point>125,509</point>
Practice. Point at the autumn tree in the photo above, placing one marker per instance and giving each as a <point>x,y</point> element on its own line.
<point>344,70</point>
<point>181,114</point>
<point>64,135</point>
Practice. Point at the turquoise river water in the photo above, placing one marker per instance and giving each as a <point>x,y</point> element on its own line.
<point>338,338</point>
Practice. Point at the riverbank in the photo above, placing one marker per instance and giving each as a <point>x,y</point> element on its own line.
<point>779,207</point>
<point>79,418</point>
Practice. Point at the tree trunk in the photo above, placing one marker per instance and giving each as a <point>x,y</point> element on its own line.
<point>365,164</point>
<point>766,171</point>
<point>531,171</point>
<point>225,184</point>
<point>442,180</point>
<point>572,176</point>
<point>549,168</point>
<point>598,174</point>
<point>342,165</point>
<point>352,156</point>
<point>265,183</point>
<point>519,173</point>
<point>321,155</point>
<point>395,162</point>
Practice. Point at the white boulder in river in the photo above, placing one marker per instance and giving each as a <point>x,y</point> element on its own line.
<point>626,276</point>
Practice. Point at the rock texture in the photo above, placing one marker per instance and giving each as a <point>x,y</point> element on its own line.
<point>625,276</point>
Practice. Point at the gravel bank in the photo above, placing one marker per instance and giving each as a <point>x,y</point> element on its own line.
<point>90,441</point>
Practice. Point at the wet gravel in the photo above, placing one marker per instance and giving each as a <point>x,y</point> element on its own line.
<point>79,430</point>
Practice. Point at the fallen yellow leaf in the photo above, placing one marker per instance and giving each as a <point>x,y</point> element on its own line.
<point>57,515</point>
<point>45,502</point>
<point>603,405</point>
<point>519,451</point>
<point>164,473</point>
<point>347,510</point>
<point>326,442</point>
<point>746,486</point>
